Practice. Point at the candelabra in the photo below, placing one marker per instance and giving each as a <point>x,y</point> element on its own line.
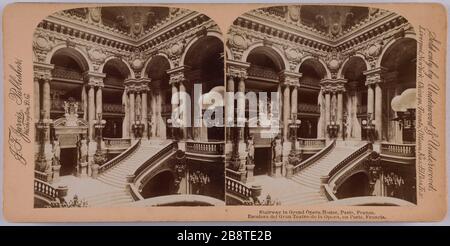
<point>333,129</point>
<point>369,125</point>
<point>293,158</point>
<point>138,127</point>
<point>99,124</point>
<point>41,163</point>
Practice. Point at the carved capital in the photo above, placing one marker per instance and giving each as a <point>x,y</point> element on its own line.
<point>178,75</point>
<point>237,69</point>
<point>375,75</point>
<point>289,78</point>
<point>94,78</point>
<point>43,71</point>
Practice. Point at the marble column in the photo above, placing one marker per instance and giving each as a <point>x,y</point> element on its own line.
<point>91,112</point>
<point>144,112</point>
<point>184,111</point>
<point>241,107</point>
<point>294,104</point>
<point>126,118</point>
<point>378,111</point>
<point>84,99</point>
<point>229,108</point>
<point>99,100</point>
<point>286,112</point>
<point>370,100</point>
<point>340,112</point>
<point>132,113</point>
<point>46,103</point>
<point>327,109</point>
<point>37,99</point>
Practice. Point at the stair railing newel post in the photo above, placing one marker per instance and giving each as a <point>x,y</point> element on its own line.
<point>99,156</point>
<point>294,157</point>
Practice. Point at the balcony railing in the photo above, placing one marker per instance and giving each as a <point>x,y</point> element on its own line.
<point>64,73</point>
<point>308,108</point>
<point>205,148</point>
<point>312,142</point>
<point>262,72</point>
<point>401,150</point>
<point>40,175</point>
<point>117,143</point>
<point>113,108</point>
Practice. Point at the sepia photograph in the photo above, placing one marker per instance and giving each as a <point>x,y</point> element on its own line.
<point>330,98</point>
<point>107,81</point>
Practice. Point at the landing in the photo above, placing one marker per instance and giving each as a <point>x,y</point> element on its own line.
<point>285,191</point>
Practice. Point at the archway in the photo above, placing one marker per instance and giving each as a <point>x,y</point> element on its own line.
<point>399,60</point>
<point>116,72</point>
<point>205,59</point>
<point>160,107</point>
<point>354,186</point>
<point>67,88</point>
<point>160,185</point>
<point>263,76</point>
<point>312,72</point>
<point>355,100</point>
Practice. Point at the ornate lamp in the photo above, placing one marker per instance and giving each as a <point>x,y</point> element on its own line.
<point>369,125</point>
<point>138,127</point>
<point>293,158</point>
<point>99,124</point>
<point>41,163</point>
<point>333,129</point>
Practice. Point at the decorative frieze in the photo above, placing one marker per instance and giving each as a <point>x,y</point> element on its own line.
<point>375,76</point>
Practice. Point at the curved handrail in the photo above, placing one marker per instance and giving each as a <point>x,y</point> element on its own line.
<point>306,163</point>
<point>155,158</point>
<point>372,200</point>
<point>349,159</point>
<point>170,200</point>
<point>119,157</point>
<point>333,174</point>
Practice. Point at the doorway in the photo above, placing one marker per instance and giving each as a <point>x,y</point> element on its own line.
<point>68,161</point>
<point>263,161</point>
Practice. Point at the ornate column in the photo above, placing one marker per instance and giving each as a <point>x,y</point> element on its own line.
<point>340,112</point>
<point>37,99</point>
<point>355,127</point>
<point>46,103</point>
<point>294,100</point>
<point>132,110</point>
<point>236,120</point>
<point>126,118</point>
<point>374,78</point>
<point>183,105</point>
<point>144,112</point>
<point>327,107</point>
<point>286,111</point>
<point>93,79</point>
<point>229,109</point>
<point>84,102</point>
<point>99,100</point>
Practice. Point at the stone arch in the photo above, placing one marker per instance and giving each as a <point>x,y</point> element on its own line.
<point>158,58</point>
<point>160,184</point>
<point>391,43</point>
<point>325,72</point>
<point>146,64</point>
<point>340,74</point>
<point>228,54</point>
<point>74,52</point>
<point>125,64</point>
<point>192,42</point>
<point>355,184</point>
<point>271,51</point>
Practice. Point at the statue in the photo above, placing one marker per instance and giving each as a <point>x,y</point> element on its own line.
<point>83,149</point>
<point>250,151</point>
<point>56,153</point>
<point>277,150</point>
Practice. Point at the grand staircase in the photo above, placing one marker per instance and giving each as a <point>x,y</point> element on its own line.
<point>305,186</point>
<point>115,177</point>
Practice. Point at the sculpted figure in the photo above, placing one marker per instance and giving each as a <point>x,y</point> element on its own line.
<point>56,153</point>
<point>83,149</point>
<point>277,150</point>
<point>250,151</point>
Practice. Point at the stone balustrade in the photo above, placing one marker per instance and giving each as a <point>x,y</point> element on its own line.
<point>238,188</point>
<point>117,142</point>
<point>401,150</point>
<point>308,108</point>
<point>44,189</point>
<point>205,148</point>
<point>312,143</point>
